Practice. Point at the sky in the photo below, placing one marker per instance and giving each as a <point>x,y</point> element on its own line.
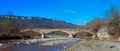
<point>73,11</point>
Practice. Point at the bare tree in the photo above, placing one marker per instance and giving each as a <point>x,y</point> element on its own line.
<point>9,25</point>
<point>113,23</point>
<point>95,24</point>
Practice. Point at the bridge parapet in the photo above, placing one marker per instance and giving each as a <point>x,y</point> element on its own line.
<point>69,31</point>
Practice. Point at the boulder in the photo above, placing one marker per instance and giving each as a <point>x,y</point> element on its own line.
<point>1,44</point>
<point>70,36</point>
<point>103,34</point>
<point>119,39</point>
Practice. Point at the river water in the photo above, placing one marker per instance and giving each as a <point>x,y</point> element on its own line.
<point>37,47</point>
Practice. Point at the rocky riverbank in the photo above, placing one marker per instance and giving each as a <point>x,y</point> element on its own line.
<point>95,45</point>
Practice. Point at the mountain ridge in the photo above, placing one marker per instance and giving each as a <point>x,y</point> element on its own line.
<point>38,22</point>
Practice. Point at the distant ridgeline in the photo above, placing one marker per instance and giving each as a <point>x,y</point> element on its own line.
<point>37,22</point>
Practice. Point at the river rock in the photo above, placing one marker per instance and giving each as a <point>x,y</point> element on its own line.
<point>1,44</point>
<point>70,36</point>
<point>103,34</point>
<point>119,39</point>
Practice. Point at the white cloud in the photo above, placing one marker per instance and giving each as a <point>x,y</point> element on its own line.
<point>73,11</point>
<point>69,11</point>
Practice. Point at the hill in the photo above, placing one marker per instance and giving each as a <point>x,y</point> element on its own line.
<point>37,22</point>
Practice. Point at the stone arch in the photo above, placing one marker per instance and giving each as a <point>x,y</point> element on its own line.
<point>84,34</point>
<point>31,34</point>
<point>57,33</point>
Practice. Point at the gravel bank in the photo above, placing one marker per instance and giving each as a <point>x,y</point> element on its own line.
<point>59,41</point>
<point>95,45</point>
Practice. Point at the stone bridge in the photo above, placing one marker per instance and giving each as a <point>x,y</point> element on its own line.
<point>68,31</point>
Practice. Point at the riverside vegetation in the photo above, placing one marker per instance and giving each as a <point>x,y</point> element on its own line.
<point>107,34</point>
<point>10,29</point>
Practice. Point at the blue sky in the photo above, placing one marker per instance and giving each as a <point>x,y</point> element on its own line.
<point>73,11</point>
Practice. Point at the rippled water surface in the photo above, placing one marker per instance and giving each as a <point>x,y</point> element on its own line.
<point>37,47</point>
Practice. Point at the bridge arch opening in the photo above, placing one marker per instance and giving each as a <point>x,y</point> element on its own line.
<point>83,35</point>
<point>56,34</point>
<point>31,34</point>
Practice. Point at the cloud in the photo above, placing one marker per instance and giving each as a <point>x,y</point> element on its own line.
<point>69,11</point>
<point>73,11</point>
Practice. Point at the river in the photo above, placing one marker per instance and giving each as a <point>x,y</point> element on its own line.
<point>37,47</point>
